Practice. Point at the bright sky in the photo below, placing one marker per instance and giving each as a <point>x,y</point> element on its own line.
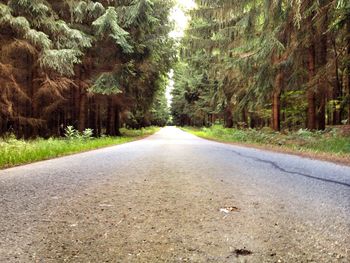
<point>178,15</point>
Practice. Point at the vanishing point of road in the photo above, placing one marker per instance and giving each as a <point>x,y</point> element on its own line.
<point>174,197</point>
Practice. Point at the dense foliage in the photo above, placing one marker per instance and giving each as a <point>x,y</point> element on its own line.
<point>278,63</point>
<point>88,64</point>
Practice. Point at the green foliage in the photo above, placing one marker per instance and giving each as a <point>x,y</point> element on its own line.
<point>70,133</point>
<point>68,38</point>
<point>106,84</point>
<point>107,26</point>
<point>61,61</point>
<point>38,39</point>
<point>160,112</point>
<point>86,10</point>
<point>87,134</point>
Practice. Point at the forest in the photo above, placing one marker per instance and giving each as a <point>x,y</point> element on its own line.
<point>87,64</point>
<point>274,63</point>
<point>103,65</point>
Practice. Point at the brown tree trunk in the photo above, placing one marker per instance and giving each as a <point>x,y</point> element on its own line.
<point>311,98</point>
<point>337,89</point>
<point>93,118</point>
<point>76,106</point>
<point>228,117</point>
<point>99,120</point>
<point>321,118</point>
<point>117,121</point>
<point>276,102</point>
<point>252,123</point>
<point>244,117</point>
<point>348,68</point>
<point>82,113</point>
<point>111,118</point>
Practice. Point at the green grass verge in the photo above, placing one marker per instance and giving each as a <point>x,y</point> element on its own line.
<point>301,141</point>
<point>15,152</point>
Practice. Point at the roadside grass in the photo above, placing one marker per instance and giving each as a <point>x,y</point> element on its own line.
<point>15,152</point>
<point>330,141</point>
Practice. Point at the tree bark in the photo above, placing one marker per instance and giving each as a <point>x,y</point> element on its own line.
<point>82,113</point>
<point>337,89</point>
<point>117,121</point>
<point>311,98</point>
<point>321,118</point>
<point>93,117</point>
<point>76,106</point>
<point>228,117</point>
<point>244,118</point>
<point>99,120</point>
<point>111,118</point>
<point>348,68</point>
<point>276,102</point>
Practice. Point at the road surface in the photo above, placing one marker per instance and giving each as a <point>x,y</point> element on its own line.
<point>174,197</point>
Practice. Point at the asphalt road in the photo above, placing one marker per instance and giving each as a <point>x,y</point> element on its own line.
<point>175,198</point>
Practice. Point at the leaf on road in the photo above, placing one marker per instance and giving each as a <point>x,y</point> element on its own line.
<point>229,209</point>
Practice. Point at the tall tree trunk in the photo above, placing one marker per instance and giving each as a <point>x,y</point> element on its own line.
<point>276,102</point>
<point>99,120</point>
<point>111,118</point>
<point>93,118</point>
<point>76,106</point>
<point>348,67</point>
<point>244,118</point>
<point>337,89</point>
<point>82,113</point>
<point>311,98</point>
<point>2,125</point>
<point>228,117</point>
<point>117,121</point>
<point>252,123</point>
<point>321,118</point>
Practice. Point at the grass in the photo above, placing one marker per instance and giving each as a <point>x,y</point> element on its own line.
<point>15,152</point>
<point>330,142</point>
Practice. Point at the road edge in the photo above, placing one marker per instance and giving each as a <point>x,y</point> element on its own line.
<point>134,139</point>
<point>345,161</point>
